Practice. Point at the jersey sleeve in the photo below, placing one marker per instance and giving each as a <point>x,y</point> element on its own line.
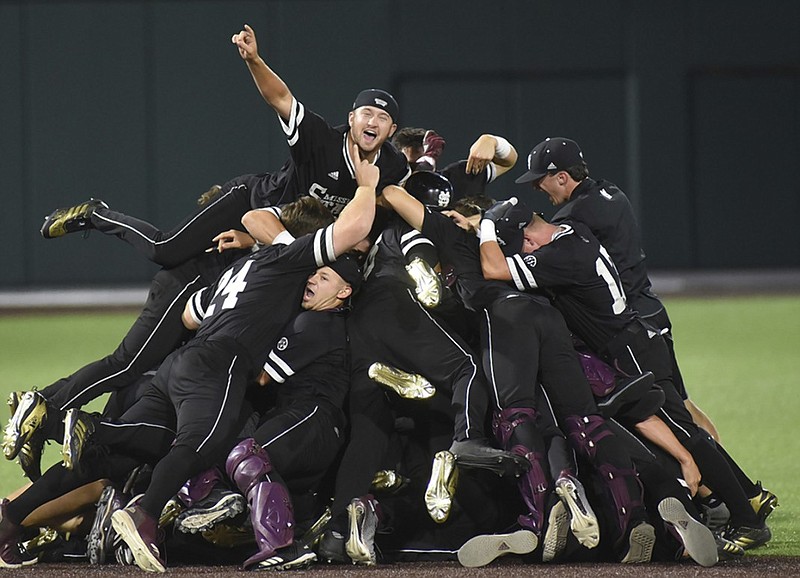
<point>306,338</point>
<point>548,267</point>
<point>303,129</point>
<point>198,304</point>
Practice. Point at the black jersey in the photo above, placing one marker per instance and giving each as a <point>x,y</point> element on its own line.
<point>320,164</point>
<point>310,359</point>
<point>606,210</point>
<point>392,250</point>
<point>582,281</point>
<point>255,297</point>
<point>459,254</point>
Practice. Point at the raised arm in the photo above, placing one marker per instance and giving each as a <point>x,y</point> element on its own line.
<point>409,208</point>
<point>355,220</point>
<point>269,84</point>
<point>491,149</point>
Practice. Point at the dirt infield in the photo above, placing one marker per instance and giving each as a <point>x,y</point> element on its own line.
<point>748,566</point>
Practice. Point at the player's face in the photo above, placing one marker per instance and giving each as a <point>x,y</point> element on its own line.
<point>370,127</point>
<point>551,186</point>
<point>325,289</point>
<point>534,237</point>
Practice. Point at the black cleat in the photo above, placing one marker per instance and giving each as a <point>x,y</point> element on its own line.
<point>331,548</point>
<point>748,538</point>
<point>727,550</point>
<point>627,390</point>
<point>70,219</point>
<point>220,505</point>
<point>293,557</point>
<point>479,454</point>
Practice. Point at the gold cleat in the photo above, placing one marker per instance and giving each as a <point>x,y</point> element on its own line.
<point>763,503</point>
<point>388,481</point>
<point>441,487</point>
<point>70,219</point>
<point>30,413</point>
<point>406,385</point>
<point>428,285</point>
<point>313,535</point>
<point>227,536</point>
<point>172,509</point>
<point>38,543</point>
<point>78,428</point>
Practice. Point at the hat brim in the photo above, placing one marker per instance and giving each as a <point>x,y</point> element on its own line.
<point>529,176</point>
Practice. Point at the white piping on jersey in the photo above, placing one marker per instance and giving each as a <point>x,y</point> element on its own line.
<point>412,239</point>
<point>676,424</point>
<point>491,172</point>
<point>222,406</point>
<point>139,352</point>
<point>491,358</point>
<point>181,230</point>
<point>563,230</point>
<point>296,115</point>
<point>137,424</point>
<point>467,354</point>
<point>196,310</point>
<point>273,373</point>
<point>516,265</point>
<point>348,159</point>
<point>286,431</point>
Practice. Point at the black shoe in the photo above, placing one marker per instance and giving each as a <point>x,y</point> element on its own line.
<point>331,548</point>
<point>478,453</point>
<point>748,538</point>
<point>220,505</point>
<point>101,537</point>
<point>71,219</point>
<point>293,557</point>
<point>627,390</point>
<point>727,550</point>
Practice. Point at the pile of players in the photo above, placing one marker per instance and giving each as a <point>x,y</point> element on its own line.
<point>370,355</point>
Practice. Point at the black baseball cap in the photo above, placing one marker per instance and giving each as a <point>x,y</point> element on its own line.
<point>379,99</point>
<point>348,269</point>
<point>552,154</point>
<point>509,228</point>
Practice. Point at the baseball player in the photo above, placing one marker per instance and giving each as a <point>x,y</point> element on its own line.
<point>321,164</point>
<point>569,263</point>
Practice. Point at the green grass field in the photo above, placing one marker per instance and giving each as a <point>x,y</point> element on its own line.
<point>738,356</point>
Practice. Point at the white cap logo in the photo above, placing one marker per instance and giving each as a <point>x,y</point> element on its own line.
<point>380,102</point>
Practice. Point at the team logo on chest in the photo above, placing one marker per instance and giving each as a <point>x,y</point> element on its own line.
<point>283,343</point>
<point>530,260</point>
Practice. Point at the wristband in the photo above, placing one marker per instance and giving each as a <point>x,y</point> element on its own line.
<point>502,149</point>
<point>283,238</point>
<point>487,232</point>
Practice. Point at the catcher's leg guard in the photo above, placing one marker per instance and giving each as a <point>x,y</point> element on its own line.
<point>515,429</point>
<point>590,436</point>
<point>247,465</point>
<point>272,518</point>
<point>271,512</point>
<point>199,487</point>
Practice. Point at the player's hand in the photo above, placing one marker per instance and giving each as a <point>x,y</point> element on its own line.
<point>232,239</point>
<point>466,223</point>
<point>245,41</point>
<point>691,475</point>
<point>481,154</point>
<point>500,209</point>
<point>367,174</point>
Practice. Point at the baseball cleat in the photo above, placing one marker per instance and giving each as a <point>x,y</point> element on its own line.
<point>220,505</point>
<point>641,540</point>
<point>78,428</point>
<point>727,550</point>
<point>479,453</point>
<point>698,541</point>
<point>748,538</point>
<point>293,557</point>
<point>481,550</point>
<point>389,481</point>
<point>406,385</point>
<point>331,548</point>
<point>555,538</point>
<point>441,487</point>
<point>140,532</point>
<point>583,521</point>
<point>172,509</point>
<point>30,413</point>
<point>71,219</point>
<point>363,521</point>
<point>763,503</point>
<point>101,536</point>
<point>427,284</point>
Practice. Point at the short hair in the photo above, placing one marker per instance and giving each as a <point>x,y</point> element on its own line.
<point>409,136</point>
<point>305,215</point>
<point>578,172</point>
